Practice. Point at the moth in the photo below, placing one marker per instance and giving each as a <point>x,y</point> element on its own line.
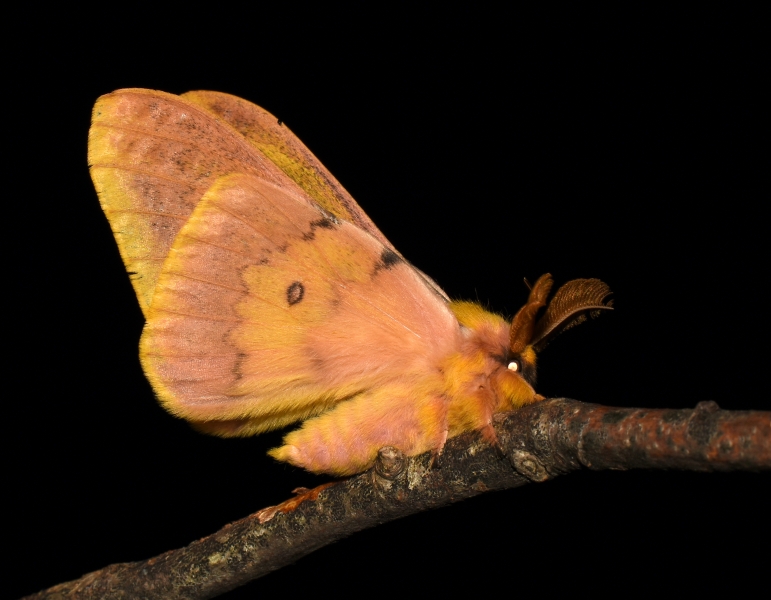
<point>271,298</point>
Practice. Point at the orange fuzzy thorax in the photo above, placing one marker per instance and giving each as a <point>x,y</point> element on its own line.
<point>417,412</point>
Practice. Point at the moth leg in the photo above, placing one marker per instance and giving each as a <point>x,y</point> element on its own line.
<point>436,453</point>
<point>301,495</point>
<point>475,412</point>
<point>489,435</point>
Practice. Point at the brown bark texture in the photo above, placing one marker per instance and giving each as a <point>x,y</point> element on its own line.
<point>537,443</point>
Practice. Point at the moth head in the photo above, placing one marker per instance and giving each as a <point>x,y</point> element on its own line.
<point>571,305</point>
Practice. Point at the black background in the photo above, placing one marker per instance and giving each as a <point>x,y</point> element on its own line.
<point>487,147</point>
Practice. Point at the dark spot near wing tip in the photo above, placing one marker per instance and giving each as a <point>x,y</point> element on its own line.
<point>388,258</point>
<point>280,122</point>
<point>295,293</point>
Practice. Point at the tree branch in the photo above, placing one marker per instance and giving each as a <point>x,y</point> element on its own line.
<point>536,443</point>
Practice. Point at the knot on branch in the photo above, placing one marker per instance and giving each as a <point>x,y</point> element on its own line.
<point>700,425</point>
<point>707,406</point>
<point>528,465</point>
<point>389,463</point>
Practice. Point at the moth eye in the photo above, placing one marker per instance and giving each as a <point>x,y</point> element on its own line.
<point>514,365</point>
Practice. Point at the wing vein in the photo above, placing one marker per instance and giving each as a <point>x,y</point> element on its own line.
<point>204,281</point>
<point>224,320</point>
<point>146,132</point>
<point>213,245</point>
<point>144,212</point>
<point>174,180</point>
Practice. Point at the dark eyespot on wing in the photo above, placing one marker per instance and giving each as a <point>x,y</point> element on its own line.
<point>295,293</point>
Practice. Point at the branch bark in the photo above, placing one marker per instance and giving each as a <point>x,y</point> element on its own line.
<point>539,442</point>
